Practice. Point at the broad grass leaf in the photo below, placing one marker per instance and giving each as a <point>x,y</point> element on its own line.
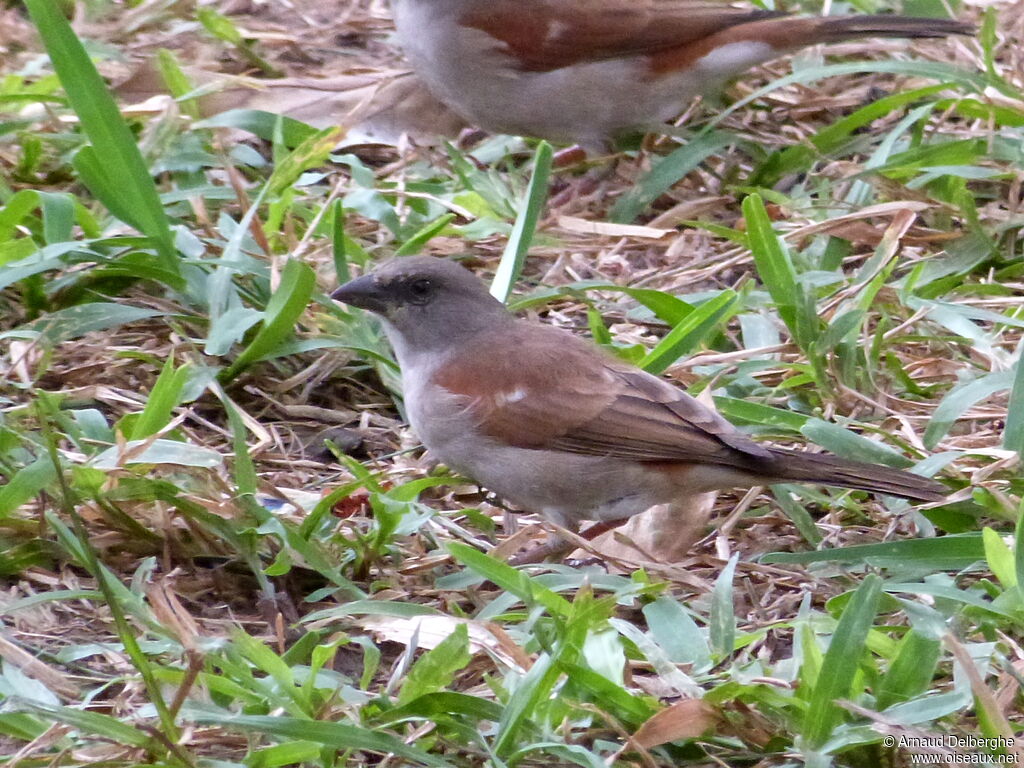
<point>313,151</point>
<point>158,452</point>
<point>229,328</point>
<point>610,696</point>
<point>16,209</point>
<point>285,307</point>
<point>748,412</point>
<point>948,75</point>
<point>930,707</point>
<point>417,241</point>
<point>959,399</point>
<point>535,687</point>
<point>973,597</point>
<point>25,484</point>
<point>75,322</point>
<point>94,723</point>
<point>372,608</point>
<point>665,667</point>
<point>436,669</point>
<point>691,331</point>
<point>1000,558</point>
<point>943,552</point>
<point>677,634</point>
<point>911,671</point>
<point>839,666</point>
<point>797,512</point>
<point>850,445</point>
<point>776,270</point>
<point>431,705</point>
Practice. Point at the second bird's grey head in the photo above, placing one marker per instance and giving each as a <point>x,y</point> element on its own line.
<point>426,303</point>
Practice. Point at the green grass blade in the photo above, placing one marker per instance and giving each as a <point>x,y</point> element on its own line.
<point>108,584</point>
<point>688,334</point>
<point>283,310</point>
<point>25,483</point>
<point>911,671</point>
<point>262,124</point>
<point>844,654</point>
<point>339,246</point>
<point>722,625</point>
<point>945,73</point>
<point>797,513</point>
<point>799,157</point>
<point>415,243</point>
<point>962,397</point>
<point>1013,433</point>
<point>430,705</point>
<point>776,270</point>
<point>509,579</point>
<point>530,211</point>
<point>75,322</point>
<point>1000,558</point>
<point>850,445</point>
<point>745,411</point>
<point>122,166</point>
<point>245,477</point>
<point>667,172</point>
<point>164,396</point>
<point>608,695</point>
<point>535,688</point>
<point>336,735</point>
<point>677,634</point>
<point>15,210</point>
<point>95,723</point>
<point>950,552</point>
<point>435,670</point>
<point>1018,557</point>
<point>313,151</point>
<point>177,81</point>
<point>58,216</point>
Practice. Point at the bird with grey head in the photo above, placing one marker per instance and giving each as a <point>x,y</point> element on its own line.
<point>554,424</point>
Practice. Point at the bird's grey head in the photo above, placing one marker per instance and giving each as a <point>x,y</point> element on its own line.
<point>427,304</point>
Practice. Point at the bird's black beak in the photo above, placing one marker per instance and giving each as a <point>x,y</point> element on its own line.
<point>363,292</point>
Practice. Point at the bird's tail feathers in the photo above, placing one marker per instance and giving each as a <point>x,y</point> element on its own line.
<point>832,29</point>
<point>799,466</point>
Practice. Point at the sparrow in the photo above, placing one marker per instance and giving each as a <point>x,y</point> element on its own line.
<point>588,71</point>
<point>553,424</point>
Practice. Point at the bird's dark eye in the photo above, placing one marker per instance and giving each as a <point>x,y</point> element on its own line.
<point>421,290</point>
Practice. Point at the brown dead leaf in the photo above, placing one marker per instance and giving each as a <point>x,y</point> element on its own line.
<point>429,631</point>
<point>686,719</point>
<point>56,681</point>
<point>664,533</point>
<point>171,613</point>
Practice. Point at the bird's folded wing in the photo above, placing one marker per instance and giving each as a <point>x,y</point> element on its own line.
<point>549,34</point>
<point>650,420</point>
<point>558,392</point>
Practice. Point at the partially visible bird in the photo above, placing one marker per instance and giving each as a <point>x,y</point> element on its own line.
<point>588,71</point>
<point>553,424</point>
